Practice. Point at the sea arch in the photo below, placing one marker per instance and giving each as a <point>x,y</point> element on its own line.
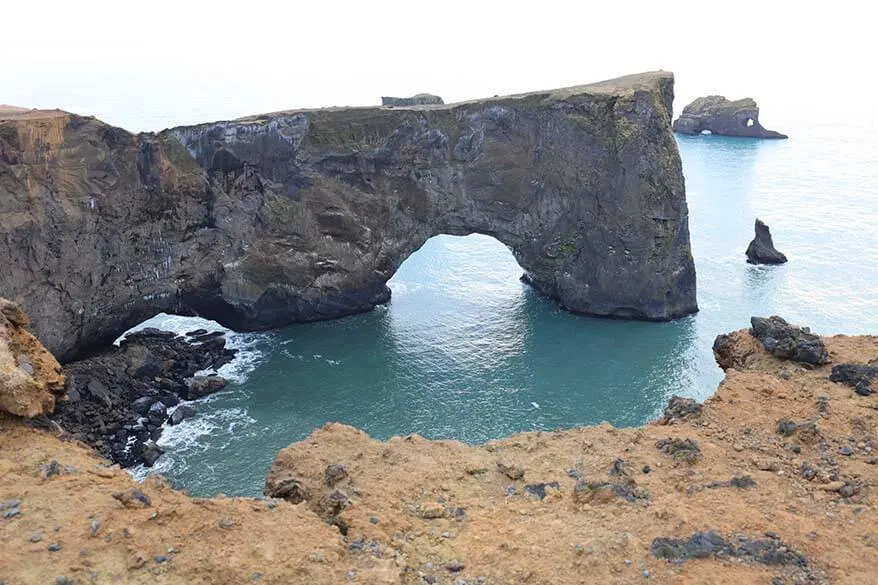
<point>299,216</point>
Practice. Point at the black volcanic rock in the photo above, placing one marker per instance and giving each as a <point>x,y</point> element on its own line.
<point>126,390</point>
<point>787,341</point>
<point>305,215</point>
<point>761,250</point>
<point>717,115</point>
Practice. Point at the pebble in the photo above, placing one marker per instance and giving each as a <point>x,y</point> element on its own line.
<point>36,538</point>
<point>161,559</point>
<point>847,490</point>
<point>431,511</point>
<point>738,447</point>
<point>646,573</point>
<point>54,547</point>
<point>62,580</point>
<point>373,519</point>
<point>454,566</point>
<point>832,486</point>
<point>646,469</point>
<point>845,451</point>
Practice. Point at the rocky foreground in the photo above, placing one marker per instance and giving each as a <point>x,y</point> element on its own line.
<point>771,481</point>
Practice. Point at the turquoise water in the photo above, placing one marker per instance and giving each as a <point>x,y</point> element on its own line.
<point>465,351</point>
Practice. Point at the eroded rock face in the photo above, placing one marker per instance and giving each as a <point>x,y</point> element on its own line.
<point>30,377</point>
<point>761,249</point>
<point>717,115</point>
<point>301,216</point>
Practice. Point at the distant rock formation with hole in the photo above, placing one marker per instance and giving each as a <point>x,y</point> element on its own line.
<point>714,114</point>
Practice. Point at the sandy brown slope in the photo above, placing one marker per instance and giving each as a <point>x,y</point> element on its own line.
<point>418,511</point>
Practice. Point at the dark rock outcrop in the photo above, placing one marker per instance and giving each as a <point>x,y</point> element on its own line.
<point>679,408</point>
<point>857,375</point>
<point>305,215</point>
<point>421,99</point>
<point>118,399</point>
<point>787,341</point>
<point>702,545</point>
<point>761,250</point>
<point>717,115</point>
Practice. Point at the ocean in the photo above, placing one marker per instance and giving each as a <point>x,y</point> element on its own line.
<point>465,351</point>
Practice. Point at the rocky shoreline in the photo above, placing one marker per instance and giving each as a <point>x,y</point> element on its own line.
<point>771,480</point>
<point>119,399</point>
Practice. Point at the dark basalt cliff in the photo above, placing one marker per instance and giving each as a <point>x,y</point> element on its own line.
<point>305,215</point>
<point>718,115</point>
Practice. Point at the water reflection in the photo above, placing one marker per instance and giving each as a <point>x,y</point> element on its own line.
<point>465,351</point>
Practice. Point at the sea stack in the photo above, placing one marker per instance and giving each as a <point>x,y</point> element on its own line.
<point>714,114</point>
<point>761,250</point>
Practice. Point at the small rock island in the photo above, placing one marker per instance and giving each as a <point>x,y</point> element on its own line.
<point>761,250</point>
<point>714,114</point>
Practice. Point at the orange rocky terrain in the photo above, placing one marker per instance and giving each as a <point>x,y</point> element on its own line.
<point>772,482</point>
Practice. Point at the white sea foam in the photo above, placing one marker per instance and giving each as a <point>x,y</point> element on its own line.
<point>186,440</point>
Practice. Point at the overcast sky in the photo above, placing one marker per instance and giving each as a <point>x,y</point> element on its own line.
<point>148,65</point>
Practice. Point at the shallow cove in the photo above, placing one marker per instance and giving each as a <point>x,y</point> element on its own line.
<point>465,351</point>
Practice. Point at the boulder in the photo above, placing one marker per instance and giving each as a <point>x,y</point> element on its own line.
<point>158,413</point>
<point>201,386</point>
<point>788,342</point>
<point>30,378</point>
<point>151,452</point>
<point>714,114</point>
<point>142,405</point>
<point>181,413</point>
<point>761,250</point>
<point>305,215</point>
